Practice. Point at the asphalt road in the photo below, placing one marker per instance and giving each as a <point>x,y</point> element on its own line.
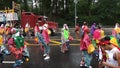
<point>70,59</point>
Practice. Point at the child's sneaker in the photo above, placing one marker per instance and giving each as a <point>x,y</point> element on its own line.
<point>47,57</point>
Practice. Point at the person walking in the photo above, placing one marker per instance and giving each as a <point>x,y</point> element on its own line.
<point>47,41</point>
<point>84,43</point>
<point>41,40</point>
<point>64,38</point>
<point>77,31</point>
<point>92,29</point>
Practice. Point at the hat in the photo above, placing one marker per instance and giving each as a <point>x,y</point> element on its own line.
<point>105,40</point>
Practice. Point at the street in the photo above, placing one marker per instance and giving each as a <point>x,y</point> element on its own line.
<point>70,59</point>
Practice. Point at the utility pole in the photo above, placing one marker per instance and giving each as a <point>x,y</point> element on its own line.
<point>75,1</point>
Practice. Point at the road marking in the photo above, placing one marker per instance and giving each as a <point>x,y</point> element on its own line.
<point>56,39</point>
<point>55,42</point>
<point>9,62</point>
<point>26,43</point>
<point>51,44</point>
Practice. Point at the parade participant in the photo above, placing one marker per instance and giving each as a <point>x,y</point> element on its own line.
<point>47,41</point>
<point>7,29</point>
<point>1,44</point>
<point>112,53</point>
<point>41,41</point>
<point>17,47</point>
<point>27,28</point>
<point>92,29</point>
<point>84,42</point>
<point>3,49</point>
<point>2,28</point>
<point>98,33</point>
<point>116,32</point>
<point>64,38</point>
<point>77,31</point>
<point>84,26</point>
<point>4,19</point>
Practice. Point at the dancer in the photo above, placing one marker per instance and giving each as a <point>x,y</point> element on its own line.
<point>17,47</point>
<point>47,41</point>
<point>64,38</point>
<point>41,40</point>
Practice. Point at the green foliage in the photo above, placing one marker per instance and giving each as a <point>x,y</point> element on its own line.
<point>104,11</point>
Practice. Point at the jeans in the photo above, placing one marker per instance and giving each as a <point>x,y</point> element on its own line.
<point>87,57</point>
<point>41,40</point>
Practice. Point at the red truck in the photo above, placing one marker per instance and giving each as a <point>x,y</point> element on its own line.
<point>32,19</point>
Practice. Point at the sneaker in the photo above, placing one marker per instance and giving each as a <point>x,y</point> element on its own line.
<point>90,66</point>
<point>82,63</point>
<point>47,57</point>
<point>44,54</point>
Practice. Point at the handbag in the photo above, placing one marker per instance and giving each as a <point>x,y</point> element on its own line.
<point>90,48</point>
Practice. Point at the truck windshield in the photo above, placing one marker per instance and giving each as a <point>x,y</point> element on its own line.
<point>27,13</point>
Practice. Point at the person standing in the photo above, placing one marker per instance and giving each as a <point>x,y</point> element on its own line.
<point>4,19</point>
<point>64,38</point>
<point>112,53</point>
<point>92,29</point>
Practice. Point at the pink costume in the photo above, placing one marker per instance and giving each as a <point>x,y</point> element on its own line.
<point>97,34</point>
<point>45,34</point>
<point>85,40</point>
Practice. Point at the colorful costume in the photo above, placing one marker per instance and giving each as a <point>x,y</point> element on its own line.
<point>85,41</point>
<point>47,41</point>
<point>92,29</point>
<point>18,48</point>
<point>64,38</point>
<point>116,33</point>
<point>3,50</point>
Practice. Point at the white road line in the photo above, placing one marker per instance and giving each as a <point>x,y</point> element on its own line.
<point>9,62</point>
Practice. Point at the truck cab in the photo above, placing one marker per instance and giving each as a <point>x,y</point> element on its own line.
<point>32,19</point>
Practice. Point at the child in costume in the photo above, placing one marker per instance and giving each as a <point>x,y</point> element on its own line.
<point>47,41</point>
<point>17,47</point>
<point>3,50</point>
<point>42,40</point>
<point>84,43</point>
<point>64,38</point>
